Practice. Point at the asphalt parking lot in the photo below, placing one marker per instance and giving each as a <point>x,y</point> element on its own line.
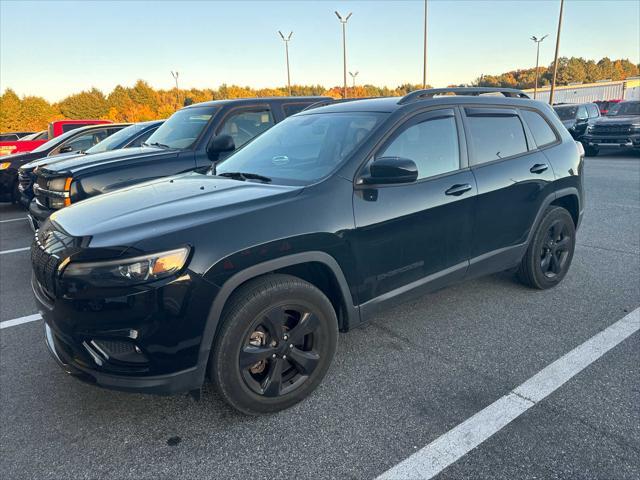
<point>398,384</point>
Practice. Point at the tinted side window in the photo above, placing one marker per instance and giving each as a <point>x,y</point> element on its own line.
<point>67,127</point>
<point>293,108</point>
<point>496,137</point>
<point>244,125</point>
<point>431,144</point>
<point>593,111</point>
<point>540,129</point>
<point>137,142</point>
<point>86,141</point>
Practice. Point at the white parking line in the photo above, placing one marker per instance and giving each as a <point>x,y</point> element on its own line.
<point>457,442</point>
<point>20,321</point>
<point>14,250</point>
<point>13,220</point>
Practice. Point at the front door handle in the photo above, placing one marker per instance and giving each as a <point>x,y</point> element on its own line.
<point>458,189</point>
<point>539,168</point>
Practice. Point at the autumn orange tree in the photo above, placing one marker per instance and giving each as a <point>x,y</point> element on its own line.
<point>142,102</point>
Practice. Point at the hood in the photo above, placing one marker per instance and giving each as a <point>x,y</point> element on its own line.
<point>161,206</point>
<point>40,161</point>
<point>79,164</point>
<point>19,159</point>
<point>619,120</point>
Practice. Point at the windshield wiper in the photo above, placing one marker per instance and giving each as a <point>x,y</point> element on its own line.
<point>156,144</point>
<point>245,176</point>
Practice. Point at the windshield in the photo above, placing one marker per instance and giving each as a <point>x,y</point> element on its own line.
<point>182,128</point>
<point>55,141</point>
<point>302,149</point>
<point>624,108</point>
<point>566,113</point>
<point>113,141</point>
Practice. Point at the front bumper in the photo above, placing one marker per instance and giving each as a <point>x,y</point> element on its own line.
<point>612,141</point>
<point>38,214</point>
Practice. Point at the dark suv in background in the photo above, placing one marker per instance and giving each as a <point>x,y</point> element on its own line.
<point>577,117</point>
<point>620,128</point>
<point>183,143</point>
<point>247,272</point>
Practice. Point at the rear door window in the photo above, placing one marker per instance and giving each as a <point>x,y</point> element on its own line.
<point>495,134</point>
<point>542,133</point>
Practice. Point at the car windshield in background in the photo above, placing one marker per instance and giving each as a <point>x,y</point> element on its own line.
<point>54,141</point>
<point>182,129</point>
<point>624,108</point>
<point>112,141</point>
<point>302,149</point>
<point>566,113</point>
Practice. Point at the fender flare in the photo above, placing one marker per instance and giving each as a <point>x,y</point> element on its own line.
<point>552,197</point>
<point>213,318</point>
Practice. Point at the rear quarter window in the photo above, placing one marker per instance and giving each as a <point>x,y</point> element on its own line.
<point>542,133</point>
<point>495,137</point>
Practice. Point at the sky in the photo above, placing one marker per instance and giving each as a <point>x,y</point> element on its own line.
<point>55,48</point>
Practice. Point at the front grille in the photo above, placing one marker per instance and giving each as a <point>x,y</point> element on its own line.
<point>611,129</point>
<point>25,179</point>
<point>48,249</point>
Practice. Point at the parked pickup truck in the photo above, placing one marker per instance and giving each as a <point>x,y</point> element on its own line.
<point>129,137</point>
<point>69,143</point>
<point>620,128</point>
<point>191,139</point>
<point>55,129</point>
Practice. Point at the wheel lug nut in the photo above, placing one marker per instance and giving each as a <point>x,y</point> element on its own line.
<point>291,346</point>
<point>284,357</point>
<point>286,337</point>
<point>274,355</point>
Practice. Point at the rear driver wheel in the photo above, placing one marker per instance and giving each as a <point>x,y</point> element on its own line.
<point>550,252</point>
<point>276,343</point>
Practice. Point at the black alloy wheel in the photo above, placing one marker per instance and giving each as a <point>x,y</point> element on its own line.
<point>276,342</point>
<point>550,251</point>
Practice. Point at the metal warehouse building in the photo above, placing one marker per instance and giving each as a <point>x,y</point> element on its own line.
<point>589,92</point>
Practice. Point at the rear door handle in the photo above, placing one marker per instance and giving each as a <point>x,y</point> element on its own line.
<point>458,189</point>
<point>539,168</point>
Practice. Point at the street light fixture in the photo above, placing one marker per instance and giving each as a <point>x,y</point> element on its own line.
<point>424,66</point>
<point>343,21</point>
<point>353,77</point>
<point>538,41</point>
<point>286,49</point>
<point>555,58</point>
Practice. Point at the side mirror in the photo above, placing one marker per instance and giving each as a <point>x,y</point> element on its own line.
<point>387,170</point>
<point>66,149</point>
<point>220,144</point>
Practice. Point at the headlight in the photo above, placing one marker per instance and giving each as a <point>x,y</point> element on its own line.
<point>5,165</point>
<point>130,271</point>
<point>60,184</point>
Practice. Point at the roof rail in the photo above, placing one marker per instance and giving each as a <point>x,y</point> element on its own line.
<point>474,91</point>
<point>331,101</point>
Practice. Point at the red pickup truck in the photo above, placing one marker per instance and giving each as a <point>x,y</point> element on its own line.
<point>55,128</point>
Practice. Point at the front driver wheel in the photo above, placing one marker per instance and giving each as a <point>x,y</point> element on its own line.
<point>550,252</point>
<point>276,343</point>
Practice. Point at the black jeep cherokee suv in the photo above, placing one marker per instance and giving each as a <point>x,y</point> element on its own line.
<point>248,272</point>
<point>183,143</point>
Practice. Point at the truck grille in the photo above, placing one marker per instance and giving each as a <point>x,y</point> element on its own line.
<point>611,129</point>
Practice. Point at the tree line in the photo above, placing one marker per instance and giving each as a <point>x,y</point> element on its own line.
<point>141,102</point>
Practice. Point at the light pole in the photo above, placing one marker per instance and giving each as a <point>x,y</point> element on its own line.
<point>286,50</point>
<point>538,41</point>
<point>424,66</point>
<point>353,77</point>
<point>555,58</point>
<point>175,77</point>
<point>343,21</point>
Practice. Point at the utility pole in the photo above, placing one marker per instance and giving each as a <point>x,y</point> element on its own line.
<point>424,66</point>
<point>538,41</point>
<point>343,21</point>
<point>286,50</point>
<point>555,58</point>
<point>353,77</point>
<point>175,77</point>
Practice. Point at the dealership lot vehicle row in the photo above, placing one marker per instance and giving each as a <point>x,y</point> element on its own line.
<point>405,381</point>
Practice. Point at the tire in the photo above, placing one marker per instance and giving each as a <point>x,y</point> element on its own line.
<point>590,151</point>
<point>276,343</point>
<point>548,257</point>
<point>15,194</point>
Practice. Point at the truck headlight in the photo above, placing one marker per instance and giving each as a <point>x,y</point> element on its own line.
<point>129,271</point>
